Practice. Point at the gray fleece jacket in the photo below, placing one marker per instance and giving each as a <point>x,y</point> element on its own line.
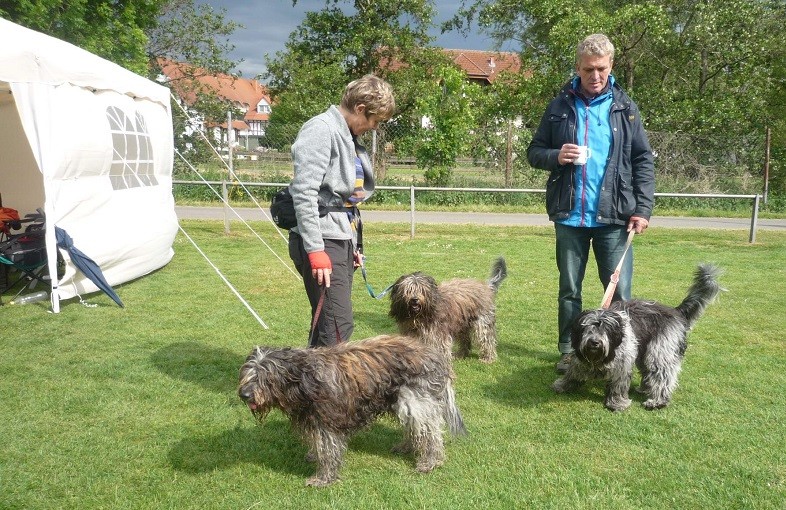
<point>324,159</point>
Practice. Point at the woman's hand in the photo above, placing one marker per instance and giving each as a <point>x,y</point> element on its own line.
<point>321,267</point>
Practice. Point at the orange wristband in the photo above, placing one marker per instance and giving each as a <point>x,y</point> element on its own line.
<point>319,260</point>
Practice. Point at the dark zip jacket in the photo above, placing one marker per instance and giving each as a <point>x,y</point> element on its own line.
<point>628,187</point>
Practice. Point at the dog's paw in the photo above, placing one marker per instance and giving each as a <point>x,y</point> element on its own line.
<point>652,404</point>
<point>427,466</point>
<point>617,404</point>
<point>561,385</point>
<point>316,481</point>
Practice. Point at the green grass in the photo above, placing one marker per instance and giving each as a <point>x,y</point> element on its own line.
<point>136,408</point>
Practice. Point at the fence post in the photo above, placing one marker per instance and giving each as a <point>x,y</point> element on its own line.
<point>509,155</point>
<point>225,195</point>
<point>767,141</point>
<point>412,211</point>
<point>754,219</point>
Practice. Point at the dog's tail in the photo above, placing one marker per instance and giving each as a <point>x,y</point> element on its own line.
<point>452,414</point>
<point>499,271</point>
<point>704,290</point>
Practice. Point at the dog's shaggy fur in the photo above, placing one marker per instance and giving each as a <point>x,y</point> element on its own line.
<point>330,392</point>
<point>607,344</point>
<point>457,310</point>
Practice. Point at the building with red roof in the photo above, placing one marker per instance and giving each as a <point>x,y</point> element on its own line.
<point>245,95</point>
<point>483,67</point>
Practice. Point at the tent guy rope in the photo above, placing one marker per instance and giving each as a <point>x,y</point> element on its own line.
<point>231,287</point>
<point>233,175</point>
<point>238,215</point>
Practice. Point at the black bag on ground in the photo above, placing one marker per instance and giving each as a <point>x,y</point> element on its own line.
<point>282,209</point>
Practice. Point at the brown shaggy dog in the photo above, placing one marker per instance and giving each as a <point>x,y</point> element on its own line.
<point>330,392</point>
<point>456,310</point>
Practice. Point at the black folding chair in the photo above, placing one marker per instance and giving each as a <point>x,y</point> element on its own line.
<point>23,255</point>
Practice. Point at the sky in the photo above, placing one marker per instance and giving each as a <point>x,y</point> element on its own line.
<point>268,24</point>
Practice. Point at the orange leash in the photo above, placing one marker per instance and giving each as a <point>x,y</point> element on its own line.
<point>615,278</point>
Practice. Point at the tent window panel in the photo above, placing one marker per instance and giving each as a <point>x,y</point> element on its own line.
<point>132,162</point>
<point>144,148</point>
<point>117,182</point>
<point>115,116</point>
<point>119,146</point>
<point>132,148</point>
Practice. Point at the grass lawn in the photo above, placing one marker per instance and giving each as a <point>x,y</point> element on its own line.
<point>132,408</point>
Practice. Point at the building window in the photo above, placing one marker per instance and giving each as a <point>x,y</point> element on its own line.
<point>263,106</point>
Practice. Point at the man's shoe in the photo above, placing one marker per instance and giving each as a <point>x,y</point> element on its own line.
<point>564,363</point>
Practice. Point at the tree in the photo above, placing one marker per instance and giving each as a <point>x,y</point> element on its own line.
<point>694,66</point>
<point>346,40</point>
<point>444,108</point>
<point>196,39</point>
<point>196,34</point>
<point>341,43</point>
<point>116,31</point>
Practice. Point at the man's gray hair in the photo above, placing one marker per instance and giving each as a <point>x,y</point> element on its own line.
<point>596,45</point>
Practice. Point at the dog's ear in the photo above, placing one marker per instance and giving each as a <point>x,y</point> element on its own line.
<point>615,323</point>
<point>398,307</point>
<point>577,331</point>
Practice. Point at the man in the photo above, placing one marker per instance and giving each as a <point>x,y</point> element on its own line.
<point>598,201</point>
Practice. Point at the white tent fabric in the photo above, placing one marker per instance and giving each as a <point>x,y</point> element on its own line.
<point>91,143</point>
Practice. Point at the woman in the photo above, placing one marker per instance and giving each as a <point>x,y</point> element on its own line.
<point>333,173</point>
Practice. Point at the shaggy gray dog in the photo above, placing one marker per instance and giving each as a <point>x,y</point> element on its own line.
<point>330,392</point>
<point>607,344</point>
<point>457,310</point>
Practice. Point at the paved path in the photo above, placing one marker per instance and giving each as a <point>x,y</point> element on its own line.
<point>217,213</point>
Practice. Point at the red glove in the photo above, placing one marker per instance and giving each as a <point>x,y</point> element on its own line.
<point>319,260</point>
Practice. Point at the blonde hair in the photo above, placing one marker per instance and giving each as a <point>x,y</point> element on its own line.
<point>372,91</point>
<point>597,45</point>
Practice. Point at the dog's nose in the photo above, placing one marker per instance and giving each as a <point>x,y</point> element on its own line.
<point>245,394</point>
<point>594,343</point>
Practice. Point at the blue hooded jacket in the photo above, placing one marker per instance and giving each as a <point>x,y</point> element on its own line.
<point>619,180</point>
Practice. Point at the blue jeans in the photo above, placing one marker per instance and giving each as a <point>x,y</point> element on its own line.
<point>573,244</point>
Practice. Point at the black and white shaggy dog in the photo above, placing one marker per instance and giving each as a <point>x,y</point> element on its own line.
<point>653,336</point>
<point>330,392</point>
<point>457,310</point>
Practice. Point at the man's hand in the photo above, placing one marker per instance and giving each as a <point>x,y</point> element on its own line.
<point>638,224</point>
<point>568,154</point>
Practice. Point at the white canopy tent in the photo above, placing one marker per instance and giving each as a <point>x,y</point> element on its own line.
<point>91,144</point>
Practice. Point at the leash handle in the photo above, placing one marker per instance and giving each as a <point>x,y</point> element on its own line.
<point>615,277</point>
